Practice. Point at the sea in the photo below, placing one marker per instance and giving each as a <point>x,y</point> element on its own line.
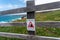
<point>9,18</point>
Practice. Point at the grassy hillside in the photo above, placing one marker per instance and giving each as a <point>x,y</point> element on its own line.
<point>48,16</point>
<point>45,16</point>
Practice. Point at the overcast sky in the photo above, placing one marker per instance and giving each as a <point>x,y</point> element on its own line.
<point>37,2</point>
<point>44,1</point>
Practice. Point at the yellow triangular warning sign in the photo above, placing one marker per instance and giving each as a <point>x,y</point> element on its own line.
<point>30,25</point>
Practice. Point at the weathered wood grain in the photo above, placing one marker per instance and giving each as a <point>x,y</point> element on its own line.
<point>38,24</point>
<point>25,36</point>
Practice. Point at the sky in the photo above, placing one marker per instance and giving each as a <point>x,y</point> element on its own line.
<point>12,4</point>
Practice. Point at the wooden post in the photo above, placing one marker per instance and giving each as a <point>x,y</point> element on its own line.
<point>31,18</point>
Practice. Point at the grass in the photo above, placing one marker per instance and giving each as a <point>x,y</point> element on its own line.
<point>48,16</point>
<point>13,29</point>
<point>45,31</point>
<point>41,31</point>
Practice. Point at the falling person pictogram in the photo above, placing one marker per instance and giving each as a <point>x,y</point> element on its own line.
<point>30,25</point>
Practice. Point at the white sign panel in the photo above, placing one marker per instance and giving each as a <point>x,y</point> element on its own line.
<point>31,24</point>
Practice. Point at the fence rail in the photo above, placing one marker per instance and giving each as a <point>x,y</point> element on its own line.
<point>31,8</point>
<point>29,37</point>
<point>38,24</point>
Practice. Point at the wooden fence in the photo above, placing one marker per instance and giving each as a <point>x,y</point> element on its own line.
<point>27,37</point>
<point>31,8</point>
<point>38,24</point>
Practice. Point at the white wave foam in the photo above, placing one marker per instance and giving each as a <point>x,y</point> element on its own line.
<point>16,19</point>
<point>3,22</point>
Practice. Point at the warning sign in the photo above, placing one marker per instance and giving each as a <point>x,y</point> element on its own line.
<point>31,24</point>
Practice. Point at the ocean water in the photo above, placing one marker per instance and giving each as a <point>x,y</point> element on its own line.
<point>9,18</point>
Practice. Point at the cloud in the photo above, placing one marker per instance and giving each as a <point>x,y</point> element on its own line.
<point>8,6</point>
<point>1,7</point>
<point>24,1</point>
<point>21,0</point>
<point>12,6</point>
<point>37,2</point>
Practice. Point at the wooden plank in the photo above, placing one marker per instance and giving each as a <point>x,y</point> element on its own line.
<point>31,16</point>
<point>38,24</point>
<point>13,35</point>
<point>48,6</point>
<point>24,36</point>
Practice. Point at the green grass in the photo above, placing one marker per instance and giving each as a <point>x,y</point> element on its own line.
<point>14,29</point>
<point>45,31</point>
<point>48,16</point>
<point>41,31</point>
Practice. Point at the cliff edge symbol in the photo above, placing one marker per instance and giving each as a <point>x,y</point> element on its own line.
<point>30,25</point>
